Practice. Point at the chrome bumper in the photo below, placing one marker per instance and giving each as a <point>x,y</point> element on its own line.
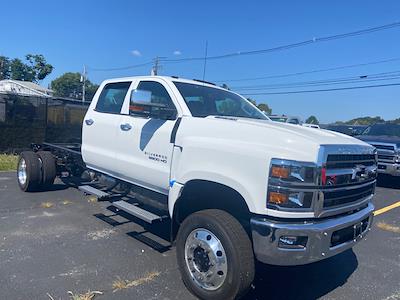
<point>389,168</point>
<point>267,235</point>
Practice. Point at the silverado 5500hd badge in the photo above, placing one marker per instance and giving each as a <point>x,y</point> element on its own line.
<point>156,157</point>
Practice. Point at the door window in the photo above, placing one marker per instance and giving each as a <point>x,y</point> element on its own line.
<point>159,95</point>
<point>112,97</point>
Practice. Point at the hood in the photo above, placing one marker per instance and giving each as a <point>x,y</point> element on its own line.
<point>260,137</point>
<point>318,136</point>
<point>387,139</point>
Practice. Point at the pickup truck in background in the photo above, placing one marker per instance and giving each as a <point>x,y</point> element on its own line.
<point>385,138</point>
<point>285,119</point>
<point>232,186</point>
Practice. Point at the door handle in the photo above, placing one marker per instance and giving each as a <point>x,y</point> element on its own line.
<point>89,122</point>
<point>125,127</point>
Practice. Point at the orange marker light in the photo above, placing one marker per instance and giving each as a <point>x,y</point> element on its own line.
<point>280,172</point>
<point>277,198</point>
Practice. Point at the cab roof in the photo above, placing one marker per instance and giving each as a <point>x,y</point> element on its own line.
<point>165,78</point>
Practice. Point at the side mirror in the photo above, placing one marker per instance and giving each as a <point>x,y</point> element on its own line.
<point>141,105</point>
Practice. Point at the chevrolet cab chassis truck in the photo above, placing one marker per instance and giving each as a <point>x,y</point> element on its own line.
<point>233,186</point>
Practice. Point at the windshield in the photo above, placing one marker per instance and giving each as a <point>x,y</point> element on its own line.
<point>205,101</point>
<point>383,129</point>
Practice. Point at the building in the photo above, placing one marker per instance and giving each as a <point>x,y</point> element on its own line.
<point>25,88</point>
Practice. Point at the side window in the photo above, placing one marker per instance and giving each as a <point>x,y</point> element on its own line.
<point>112,97</point>
<point>294,121</point>
<point>158,93</point>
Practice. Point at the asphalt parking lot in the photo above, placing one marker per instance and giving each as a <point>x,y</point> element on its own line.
<point>60,241</point>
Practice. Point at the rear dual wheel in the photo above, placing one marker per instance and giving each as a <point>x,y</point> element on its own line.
<point>36,171</point>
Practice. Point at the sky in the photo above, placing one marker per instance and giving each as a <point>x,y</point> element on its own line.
<point>113,34</point>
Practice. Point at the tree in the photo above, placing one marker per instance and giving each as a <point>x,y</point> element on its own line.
<point>252,101</point>
<point>39,66</point>
<point>364,121</point>
<point>4,67</point>
<point>312,120</point>
<point>69,85</point>
<point>265,108</point>
<point>35,69</point>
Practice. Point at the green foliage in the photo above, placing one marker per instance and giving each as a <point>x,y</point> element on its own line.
<point>395,121</point>
<point>363,121</point>
<point>4,67</point>
<point>69,85</point>
<point>265,108</point>
<point>262,106</point>
<point>34,69</point>
<point>252,101</point>
<point>312,120</point>
<point>39,66</point>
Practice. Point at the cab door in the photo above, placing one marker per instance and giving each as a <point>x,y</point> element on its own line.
<point>101,127</point>
<point>144,143</point>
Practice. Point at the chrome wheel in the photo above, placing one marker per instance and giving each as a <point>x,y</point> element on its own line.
<point>205,259</point>
<point>22,172</point>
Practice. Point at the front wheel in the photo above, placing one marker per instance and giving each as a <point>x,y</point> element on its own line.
<point>215,255</point>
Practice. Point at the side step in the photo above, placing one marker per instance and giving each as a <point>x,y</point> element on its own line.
<point>93,191</point>
<point>137,211</point>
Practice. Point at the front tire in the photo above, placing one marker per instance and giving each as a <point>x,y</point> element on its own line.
<point>215,255</point>
<point>29,173</point>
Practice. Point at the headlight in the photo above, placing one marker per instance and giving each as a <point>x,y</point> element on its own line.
<point>292,171</point>
<point>288,183</point>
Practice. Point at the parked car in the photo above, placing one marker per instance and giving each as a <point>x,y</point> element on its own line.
<point>231,185</point>
<point>386,138</point>
<point>285,119</point>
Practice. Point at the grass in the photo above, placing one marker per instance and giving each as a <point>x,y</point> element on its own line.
<point>86,296</point>
<point>120,284</point>
<point>8,162</point>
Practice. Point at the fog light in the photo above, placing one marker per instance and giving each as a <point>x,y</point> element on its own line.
<point>292,242</point>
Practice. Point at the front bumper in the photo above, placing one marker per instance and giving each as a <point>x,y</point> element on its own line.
<point>389,168</point>
<point>267,233</point>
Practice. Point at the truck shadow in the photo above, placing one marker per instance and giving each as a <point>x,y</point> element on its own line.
<point>387,181</point>
<point>303,282</point>
<point>156,236</point>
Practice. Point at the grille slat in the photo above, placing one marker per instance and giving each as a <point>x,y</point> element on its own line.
<point>361,166</point>
<point>341,161</point>
<point>341,197</point>
<point>384,147</point>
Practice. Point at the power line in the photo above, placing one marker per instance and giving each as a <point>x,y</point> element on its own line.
<point>310,72</point>
<point>324,90</point>
<point>324,84</point>
<point>366,77</point>
<point>121,68</point>
<point>293,45</point>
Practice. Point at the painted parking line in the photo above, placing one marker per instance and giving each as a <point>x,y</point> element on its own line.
<point>387,208</point>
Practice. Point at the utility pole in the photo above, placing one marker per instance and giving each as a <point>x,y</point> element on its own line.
<point>156,67</point>
<point>83,80</point>
<point>205,61</point>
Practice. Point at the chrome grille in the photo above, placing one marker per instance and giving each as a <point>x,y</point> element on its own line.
<point>348,178</point>
<point>386,152</point>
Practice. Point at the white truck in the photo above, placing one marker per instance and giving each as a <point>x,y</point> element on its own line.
<point>233,186</point>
